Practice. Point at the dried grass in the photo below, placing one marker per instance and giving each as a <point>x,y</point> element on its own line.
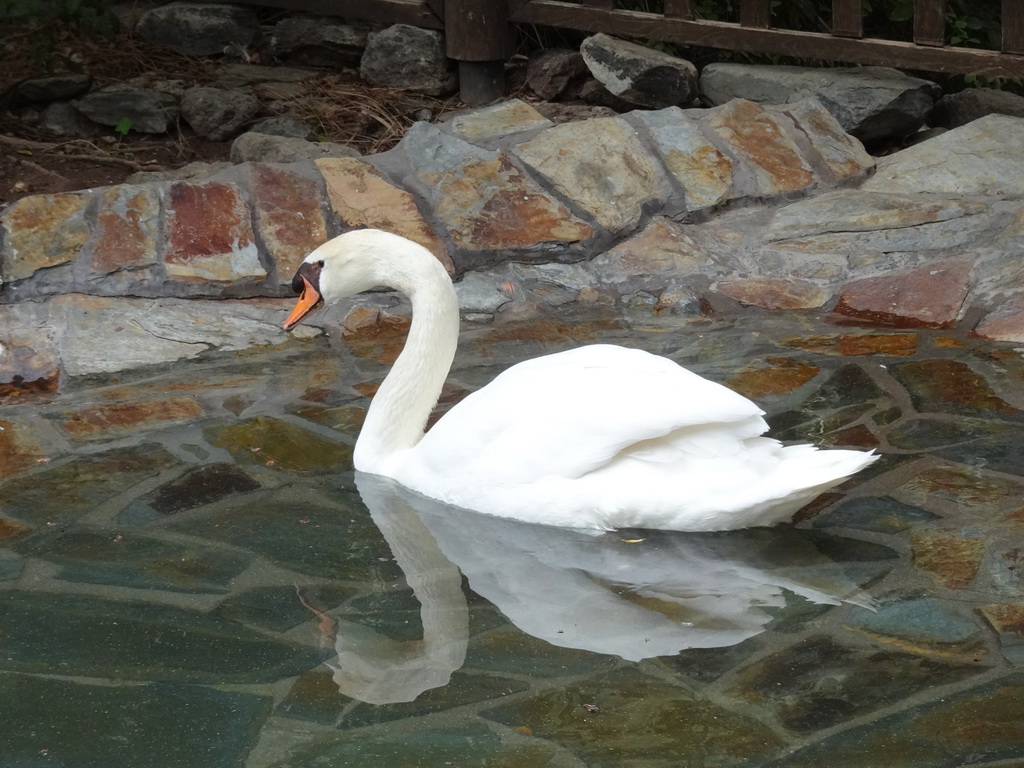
<point>371,119</point>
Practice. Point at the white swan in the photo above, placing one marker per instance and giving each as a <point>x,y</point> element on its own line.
<point>599,437</point>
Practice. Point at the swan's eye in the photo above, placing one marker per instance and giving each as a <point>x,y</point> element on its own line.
<point>320,264</point>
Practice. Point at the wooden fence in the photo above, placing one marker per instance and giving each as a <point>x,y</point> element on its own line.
<point>477,35</point>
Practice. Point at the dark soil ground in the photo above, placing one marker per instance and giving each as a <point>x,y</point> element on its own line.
<point>338,103</point>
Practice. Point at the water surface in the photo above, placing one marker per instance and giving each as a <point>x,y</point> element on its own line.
<point>191,574</point>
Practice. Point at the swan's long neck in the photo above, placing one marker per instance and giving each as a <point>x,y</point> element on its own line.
<point>398,414</point>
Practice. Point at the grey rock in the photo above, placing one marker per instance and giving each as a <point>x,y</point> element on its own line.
<point>572,277</point>
<point>150,111</point>
<point>61,119</point>
<point>639,75</point>
<point>984,157</point>
<point>600,165</point>
<point>872,103</point>
<point>98,337</point>
<point>289,127</point>
<point>465,184</point>
<point>499,120</point>
<point>217,114</point>
<point>320,41</point>
<point>199,29</point>
<point>704,172</point>
<point>264,148</point>
<point>551,73</point>
<point>479,293</point>
<point>402,56</point>
<point>43,90</point>
<point>854,210</point>
<point>956,109</point>
<point>172,86</point>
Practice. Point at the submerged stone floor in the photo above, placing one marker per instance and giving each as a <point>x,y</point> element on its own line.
<point>192,575</point>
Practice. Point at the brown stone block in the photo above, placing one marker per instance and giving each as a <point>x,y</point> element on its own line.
<point>288,215</point>
<point>760,138</point>
<point>772,293</point>
<point>928,297</point>
<point>209,235</point>
<point>951,557</point>
<point>118,418</point>
<point>42,231</point>
<point>362,197</point>
<point>126,229</point>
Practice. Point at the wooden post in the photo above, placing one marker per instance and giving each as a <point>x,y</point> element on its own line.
<point>476,35</point>
<point>756,14</point>
<point>678,9</point>
<point>1013,26</point>
<point>930,22</point>
<point>847,18</point>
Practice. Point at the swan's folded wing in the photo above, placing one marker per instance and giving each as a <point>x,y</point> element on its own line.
<point>569,413</point>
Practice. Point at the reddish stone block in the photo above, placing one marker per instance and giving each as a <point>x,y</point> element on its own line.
<point>927,297</point>
<point>117,418</point>
<point>209,235</point>
<point>288,216</point>
<point>760,138</point>
<point>778,376</point>
<point>126,229</point>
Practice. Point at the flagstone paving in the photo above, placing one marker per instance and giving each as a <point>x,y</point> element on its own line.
<point>190,576</point>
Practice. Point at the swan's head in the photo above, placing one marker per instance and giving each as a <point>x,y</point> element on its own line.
<point>341,267</point>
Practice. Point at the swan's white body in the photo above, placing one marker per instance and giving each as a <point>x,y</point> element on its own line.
<point>597,437</point>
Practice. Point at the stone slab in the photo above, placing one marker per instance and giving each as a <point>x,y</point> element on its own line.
<point>361,196</point>
<point>40,232</point>
<point>703,171</point>
<point>929,297</point>
<point>844,155</point>
<point>104,335</point>
<point>773,293</point>
<point>984,157</point>
<point>126,230</point>
<point>209,235</point>
<point>600,165</point>
<point>513,116</point>
<point>486,202</point>
<point>288,215</point>
<point>760,139</point>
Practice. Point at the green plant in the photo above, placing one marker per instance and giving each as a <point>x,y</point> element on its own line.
<point>124,125</point>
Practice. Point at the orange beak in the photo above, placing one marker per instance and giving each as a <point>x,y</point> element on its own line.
<point>308,301</point>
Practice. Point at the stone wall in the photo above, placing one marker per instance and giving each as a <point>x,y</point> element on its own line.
<point>653,211</point>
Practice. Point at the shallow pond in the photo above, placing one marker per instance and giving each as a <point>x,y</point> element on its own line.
<point>191,574</point>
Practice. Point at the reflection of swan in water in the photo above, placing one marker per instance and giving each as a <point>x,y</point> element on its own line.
<point>374,668</point>
<point>607,593</point>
